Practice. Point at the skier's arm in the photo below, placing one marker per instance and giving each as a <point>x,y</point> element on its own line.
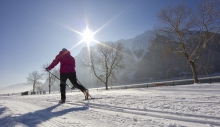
<point>54,63</point>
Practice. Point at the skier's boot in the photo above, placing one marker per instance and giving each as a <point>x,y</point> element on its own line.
<point>86,92</point>
<point>62,101</point>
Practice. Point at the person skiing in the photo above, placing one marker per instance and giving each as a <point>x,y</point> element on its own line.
<point>67,71</point>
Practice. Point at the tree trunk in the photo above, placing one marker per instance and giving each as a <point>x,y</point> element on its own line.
<point>106,83</point>
<point>195,76</point>
<point>33,86</point>
<point>49,89</point>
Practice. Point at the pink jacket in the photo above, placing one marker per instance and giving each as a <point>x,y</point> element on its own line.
<point>67,62</point>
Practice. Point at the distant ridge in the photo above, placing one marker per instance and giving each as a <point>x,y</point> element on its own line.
<point>17,88</point>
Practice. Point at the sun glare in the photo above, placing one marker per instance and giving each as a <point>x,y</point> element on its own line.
<point>88,36</point>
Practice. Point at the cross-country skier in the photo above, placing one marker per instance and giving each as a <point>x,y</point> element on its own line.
<point>67,71</point>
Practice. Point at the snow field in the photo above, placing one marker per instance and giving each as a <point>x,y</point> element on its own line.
<point>180,106</point>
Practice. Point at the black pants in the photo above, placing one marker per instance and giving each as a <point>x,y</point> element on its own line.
<point>72,77</point>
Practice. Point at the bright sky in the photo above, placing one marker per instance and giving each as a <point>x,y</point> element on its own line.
<point>32,32</point>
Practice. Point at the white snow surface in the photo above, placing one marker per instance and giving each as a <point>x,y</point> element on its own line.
<point>196,105</point>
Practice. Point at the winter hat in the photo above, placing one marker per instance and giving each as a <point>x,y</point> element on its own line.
<point>64,49</point>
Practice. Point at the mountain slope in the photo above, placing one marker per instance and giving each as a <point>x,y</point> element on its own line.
<point>17,88</point>
<point>145,60</point>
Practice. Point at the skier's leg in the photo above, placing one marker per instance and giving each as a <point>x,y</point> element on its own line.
<point>63,78</point>
<point>73,80</point>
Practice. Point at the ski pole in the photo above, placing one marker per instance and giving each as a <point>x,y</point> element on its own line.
<point>61,80</point>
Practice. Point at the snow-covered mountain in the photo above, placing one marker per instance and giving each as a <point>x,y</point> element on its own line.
<point>17,88</point>
<point>138,46</point>
<point>135,50</point>
<point>142,63</point>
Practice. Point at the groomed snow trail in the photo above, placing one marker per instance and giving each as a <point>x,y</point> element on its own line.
<point>180,106</point>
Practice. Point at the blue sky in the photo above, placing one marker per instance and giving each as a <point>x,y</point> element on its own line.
<point>32,32</point>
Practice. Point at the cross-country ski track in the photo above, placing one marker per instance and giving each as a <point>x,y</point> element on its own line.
<point>179,106</point>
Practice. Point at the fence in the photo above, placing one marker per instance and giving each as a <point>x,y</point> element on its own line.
<point>210,80</point>
<point>213,79</point>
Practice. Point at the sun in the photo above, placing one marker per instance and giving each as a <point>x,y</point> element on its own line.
<point>88,36</point>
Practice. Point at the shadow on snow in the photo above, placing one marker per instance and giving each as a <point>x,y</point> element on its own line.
<point>34,118</point>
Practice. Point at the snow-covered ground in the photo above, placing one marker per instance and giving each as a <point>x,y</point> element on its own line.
<point>173,106</point>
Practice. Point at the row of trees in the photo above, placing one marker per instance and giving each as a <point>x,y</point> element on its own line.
<point>36,78</point>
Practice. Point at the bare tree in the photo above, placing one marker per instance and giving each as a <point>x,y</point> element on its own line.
<point>105,60</point>
<point>51,79</point>
<point>39,89</point>
<point>35,79</point>
<point>191,32</point>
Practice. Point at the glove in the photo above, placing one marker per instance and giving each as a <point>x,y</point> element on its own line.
<point>47,69</point>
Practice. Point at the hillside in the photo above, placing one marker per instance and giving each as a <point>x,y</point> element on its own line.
<point>145,60</point>
<point>17,88</point>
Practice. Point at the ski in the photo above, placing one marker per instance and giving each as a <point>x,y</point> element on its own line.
<point>74,101</point>
<point>92,99</point>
